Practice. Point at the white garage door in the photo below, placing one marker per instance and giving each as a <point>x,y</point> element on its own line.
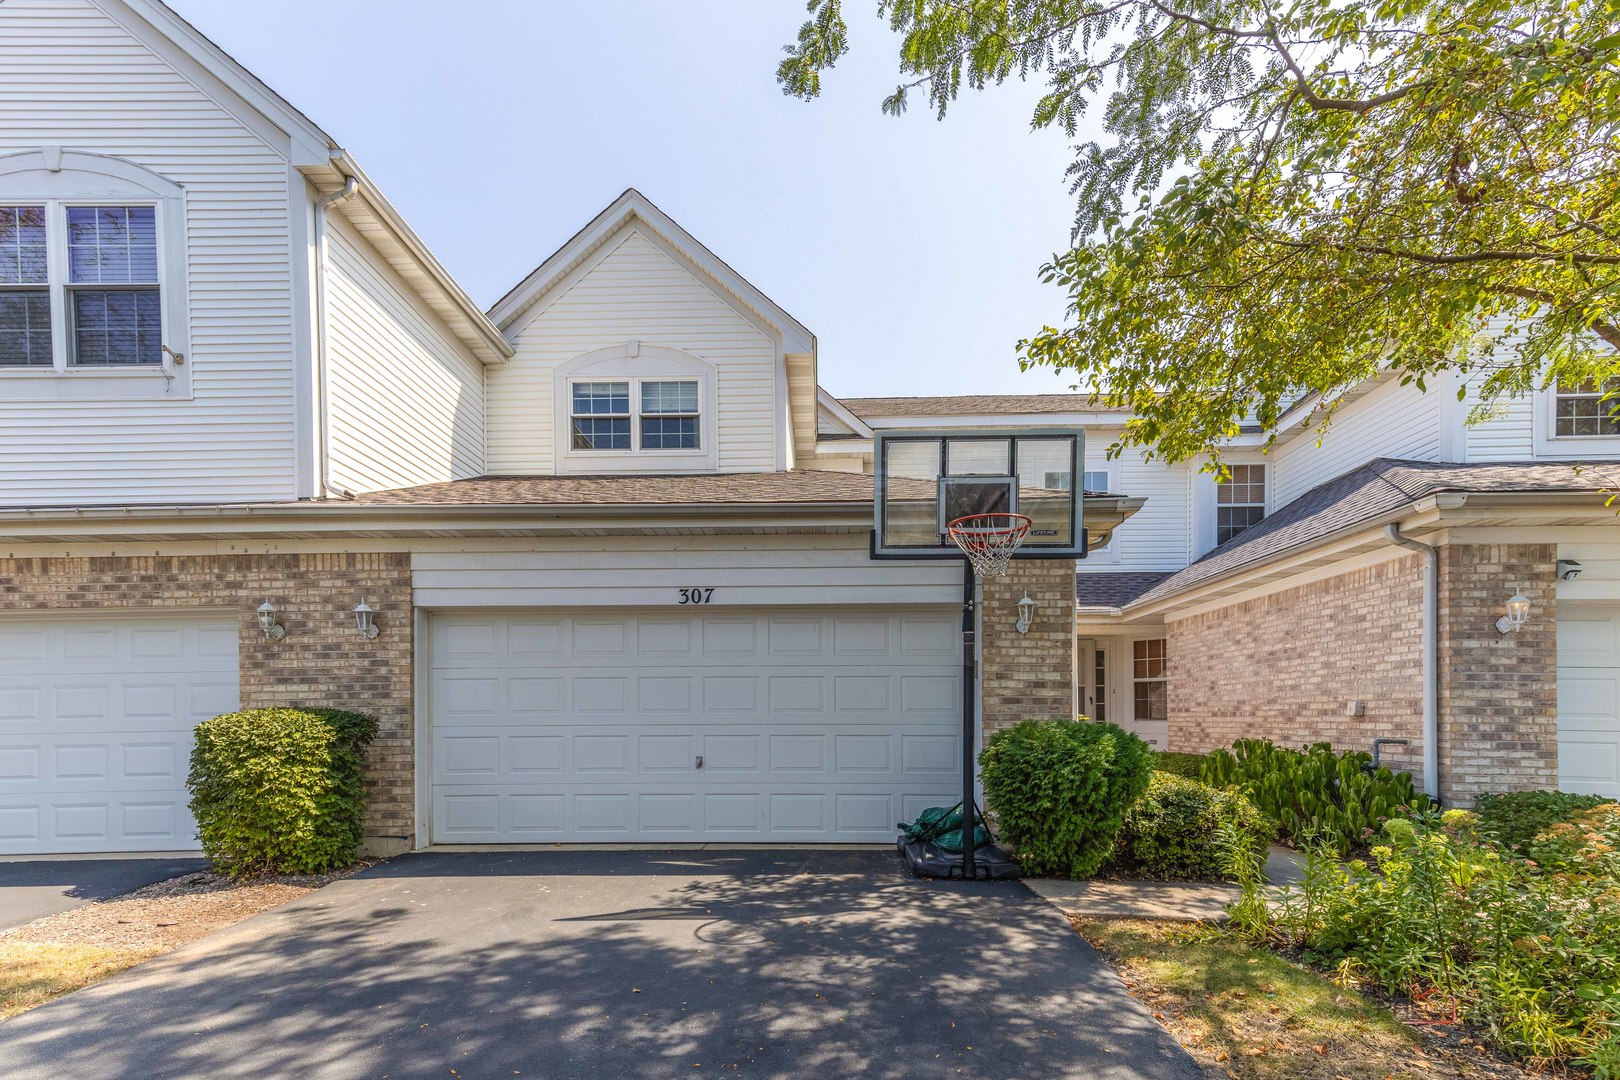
<point>95,728</point>
<point>1589,698</point>
<point>781,726</point>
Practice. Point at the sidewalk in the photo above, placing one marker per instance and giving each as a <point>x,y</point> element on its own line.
<point>1180,901</point>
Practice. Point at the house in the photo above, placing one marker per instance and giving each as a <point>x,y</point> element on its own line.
<point>612,537</point>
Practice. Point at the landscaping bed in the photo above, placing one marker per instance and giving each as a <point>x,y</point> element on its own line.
<point>1249,1013</point>
<point>72,949</point>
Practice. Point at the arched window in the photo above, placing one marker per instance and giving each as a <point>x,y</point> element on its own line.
<point>635,408</point>
<point>92,266</point>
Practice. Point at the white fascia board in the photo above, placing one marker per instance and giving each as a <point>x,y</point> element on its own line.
<point>796,339</point>
<point>477,332</point>
<point>303,140</point>
<point>841,413</point>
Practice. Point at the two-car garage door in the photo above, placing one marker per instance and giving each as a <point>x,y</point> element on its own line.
<point>95,728</point>
<point>669,725</point>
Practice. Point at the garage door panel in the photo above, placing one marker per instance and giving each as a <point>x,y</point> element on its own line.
<point>1589,699</point>
<point>811,726</point>
<point>96,715</point>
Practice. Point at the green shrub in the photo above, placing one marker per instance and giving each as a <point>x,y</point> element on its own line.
<point>1059,790</point>
<point>1315,796</point>
<point>280,790</point>
<point>1517,818</point>
<point>1449,917</point>
<point>1178,763</point>
<point>1173,831</point>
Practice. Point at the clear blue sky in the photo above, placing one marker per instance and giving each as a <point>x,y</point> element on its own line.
<point>908,246</point>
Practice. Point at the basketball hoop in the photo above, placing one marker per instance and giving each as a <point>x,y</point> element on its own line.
<point>989,540</point>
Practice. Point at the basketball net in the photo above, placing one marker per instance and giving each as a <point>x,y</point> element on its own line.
<point>989,540</point>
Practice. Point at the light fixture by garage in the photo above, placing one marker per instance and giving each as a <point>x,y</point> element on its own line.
<point>365,619</point>
<point>273,631</point>
<point>1518,610</point>
<point>1026,615</point>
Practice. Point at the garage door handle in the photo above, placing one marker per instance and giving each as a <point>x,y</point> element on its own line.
<point>700,761</point>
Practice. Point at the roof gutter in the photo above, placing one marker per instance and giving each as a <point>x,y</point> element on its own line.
<point>1431,656</point>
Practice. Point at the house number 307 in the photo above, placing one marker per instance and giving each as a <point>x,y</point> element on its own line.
<point>696,596</point>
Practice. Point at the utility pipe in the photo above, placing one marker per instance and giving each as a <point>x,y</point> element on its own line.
<point>323,426</point>
<point>1431,655</point>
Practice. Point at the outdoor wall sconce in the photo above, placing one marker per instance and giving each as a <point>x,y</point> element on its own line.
<point>365,620</point>
<point>273,631</point>
<point>1026,615</point>
<point>1518,610</point>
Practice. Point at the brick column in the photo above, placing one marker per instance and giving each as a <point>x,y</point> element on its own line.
<point>1029,676</point>
<point>1498,693</point>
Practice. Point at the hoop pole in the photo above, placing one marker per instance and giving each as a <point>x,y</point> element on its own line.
<point>969,716</point>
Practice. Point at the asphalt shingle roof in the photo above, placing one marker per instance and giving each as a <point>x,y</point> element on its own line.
<point>796,486</point>
<point>973,405</point>
<point>1114,588</point>
<point>1361,495</point>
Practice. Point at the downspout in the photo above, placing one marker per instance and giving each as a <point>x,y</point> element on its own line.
<point>323,432</point>
<point>1431,655</point>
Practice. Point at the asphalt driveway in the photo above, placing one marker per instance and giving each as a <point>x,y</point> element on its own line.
<point>563,964</point>
<point>31,888</point>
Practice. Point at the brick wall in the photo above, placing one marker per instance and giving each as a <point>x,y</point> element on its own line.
<point>1029,676</point>
<point>1285,666</point>
<point>1498,694</point>
<point>322,661</point>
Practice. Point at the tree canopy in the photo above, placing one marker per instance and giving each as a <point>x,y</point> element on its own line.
<point>1293,197</point>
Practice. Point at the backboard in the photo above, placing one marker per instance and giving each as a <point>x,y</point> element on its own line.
<point>926,479</point>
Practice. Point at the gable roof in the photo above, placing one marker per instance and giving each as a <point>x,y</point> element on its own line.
<point>633,206</point>
<point>973,405</point>
<point>1360,497</point>
<point>318,156</point>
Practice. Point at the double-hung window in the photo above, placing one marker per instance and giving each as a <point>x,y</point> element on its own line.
<point>1149,672</point>
<point>80,286</point>
<point>1587,408</point>
<point>1240,503</point>
<point>635,414</point>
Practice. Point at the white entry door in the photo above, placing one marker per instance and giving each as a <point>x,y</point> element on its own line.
<point>95,728</point>
<point>1589,698</point>
<point>781,725</point>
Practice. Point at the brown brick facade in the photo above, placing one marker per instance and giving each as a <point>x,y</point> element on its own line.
<point>1287,666</point>
<point>1498,693</point>
<point>1029,676</point>
<point>322,661</point>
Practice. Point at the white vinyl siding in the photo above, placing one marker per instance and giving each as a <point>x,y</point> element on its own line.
<point>407,402</point>
<point>649,571</point>
<point>1157,537</point>
<point>70,76</point>
<point>1393,421</point>
<point>634,290</point>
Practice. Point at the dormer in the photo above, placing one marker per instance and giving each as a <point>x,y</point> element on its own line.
<point>637,350</point>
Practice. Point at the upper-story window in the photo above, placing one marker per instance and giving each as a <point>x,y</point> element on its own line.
<point>1587,408</point>
<point>98,267</point>
<point>92,268</point>
<point>667,416</point>
<point>1240,503</point>
<point>1102,481</point>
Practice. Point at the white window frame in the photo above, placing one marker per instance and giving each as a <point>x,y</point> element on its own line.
<point>1264,504</point>
<point>635,415</point>
<point>1548,443</point>
<point>56,179</point>
<point>635,363</point>
<point>1163,679</point>
<point>1109,552</point>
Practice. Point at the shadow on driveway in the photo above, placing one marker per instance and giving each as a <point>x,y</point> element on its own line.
<point>33,888</point>
<point>563,964</point>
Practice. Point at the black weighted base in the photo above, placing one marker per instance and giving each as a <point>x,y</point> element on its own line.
<point>990,863</point>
